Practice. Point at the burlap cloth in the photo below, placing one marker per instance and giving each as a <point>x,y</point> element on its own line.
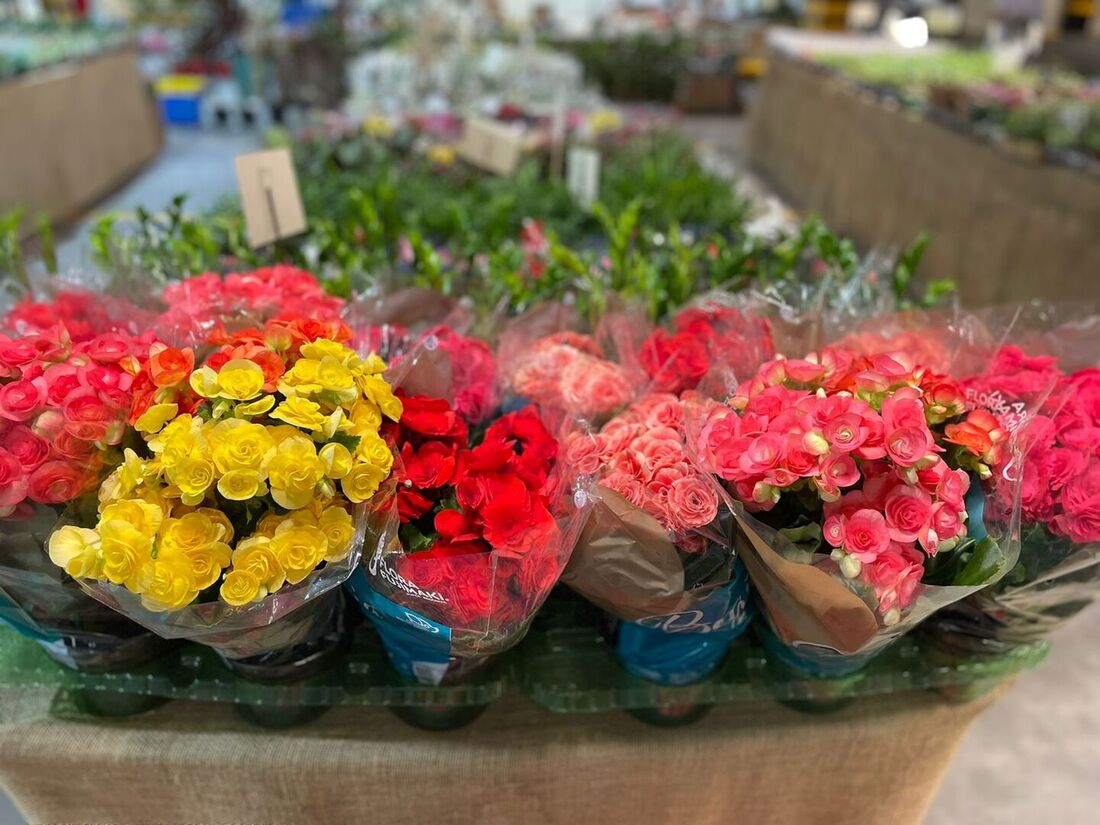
<point>1005,227</point>
<point>876,761</point>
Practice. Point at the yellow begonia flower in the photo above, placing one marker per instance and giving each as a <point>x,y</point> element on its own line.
<point>193,476</point>
<point>221,520</point>
<point>372,365</point>
<point>254,555</point>
<point>333,376</point>
<point>365,417</point>
<point>207,563</point>
<point>374,450</point>
<point>156,417</point>
<point>167,583</point>
<point>337,460</point>
<point>239,445</point>
<point>240,379</point>
<point>241,485</point>
<point>239,587</point>
<point>381,393</point>
<point>362,482</point>
<point>125,552</point>
<point>268,524</point>
<point>204,381</point>
<point>294,473</point>
<point>144,516</point>
<point>301,379</point>
<point>300,412</point>
<point>255,408</point>
<point>182,439</point>
<point>191,530</point>
<point>339,528</point>
<point>76,551</point>
<point>299,549</point>
<point>325,348</point>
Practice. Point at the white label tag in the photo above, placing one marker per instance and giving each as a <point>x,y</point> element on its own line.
<point>583,176</point>
<point>269,196</point>
<point>494,147</point>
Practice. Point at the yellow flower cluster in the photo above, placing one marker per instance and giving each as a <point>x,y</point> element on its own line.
<point>169,552</point>
<point>290,462</point>
<point>321,433</point>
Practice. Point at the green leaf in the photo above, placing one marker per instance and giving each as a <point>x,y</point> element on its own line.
<point>987,559</point>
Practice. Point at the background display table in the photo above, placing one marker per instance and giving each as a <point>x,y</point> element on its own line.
<point>877,760</point>
<point>1006,227</point>
<point>71,133</point>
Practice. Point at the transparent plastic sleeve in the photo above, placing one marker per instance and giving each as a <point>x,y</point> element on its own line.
<point>832,618</point>
<point>40,601</point>
<point>1050,353</point>
<point>426,338</point>
<point>548,357</point>
<point>295,615</point>
<point>441,617</point>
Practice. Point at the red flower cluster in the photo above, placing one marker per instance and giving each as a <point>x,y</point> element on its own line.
<point>84,315</point>
<point>476,520</point>
<point>701,336</point>
<point>63,405</point>
<point>202,306</point>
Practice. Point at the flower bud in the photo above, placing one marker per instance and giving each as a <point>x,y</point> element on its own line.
<point>850,567</point>
<point>814,442</point>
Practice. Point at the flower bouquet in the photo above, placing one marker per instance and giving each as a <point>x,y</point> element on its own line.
<point>856,487</point>
<point>707,333</point>
<point>475,537</point>
<point>545,361</point>
<point>63,409</point>
<point>1058,572</point>
<point>209,305</point>
<point>236,520</point>
<point>657,551</point>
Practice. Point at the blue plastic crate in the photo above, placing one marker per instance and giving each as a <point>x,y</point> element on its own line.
<point>180,110</point>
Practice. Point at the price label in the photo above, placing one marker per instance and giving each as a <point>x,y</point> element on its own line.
<point>270,197</point>
<point>492,146</point>
<point>583,175</point>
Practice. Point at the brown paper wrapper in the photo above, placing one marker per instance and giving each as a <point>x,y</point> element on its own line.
<point>625,563</point>
<point>804,603</point>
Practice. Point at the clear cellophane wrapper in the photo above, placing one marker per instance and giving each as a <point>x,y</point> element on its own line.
<point>430,343</point>
<point>553,357</point>
<point>808,603</point>
<point>41,601</point>
<point>440,618</point>
<point>297,614</point>
<point>1038,347</point>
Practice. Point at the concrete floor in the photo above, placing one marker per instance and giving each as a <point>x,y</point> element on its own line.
<point>1032,758</point>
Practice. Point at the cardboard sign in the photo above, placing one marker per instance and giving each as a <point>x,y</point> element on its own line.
<point>492,146</point>
<point>583,176</point>
<point>270,197</point>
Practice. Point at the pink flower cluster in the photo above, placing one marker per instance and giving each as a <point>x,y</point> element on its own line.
<point>641,454</point>
<point>83,314</point>
<point>1061,479</point>
<point>868,436</point>
<point>62,405</point>
<point>568,371</point>
<point>701,336</point>
<point>200,306</point>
